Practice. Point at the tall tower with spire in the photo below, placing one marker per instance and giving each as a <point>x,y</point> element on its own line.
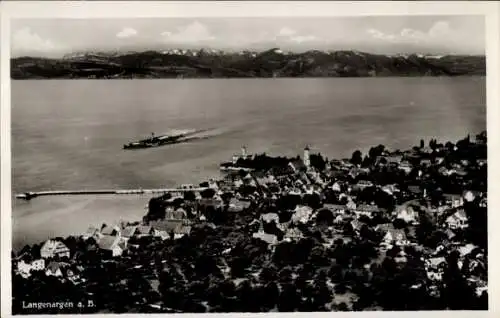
<point>307,160</point>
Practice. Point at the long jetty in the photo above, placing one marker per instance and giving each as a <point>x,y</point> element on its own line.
<point>31,195</point>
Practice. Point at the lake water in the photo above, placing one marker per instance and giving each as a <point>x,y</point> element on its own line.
<point>68,134</point>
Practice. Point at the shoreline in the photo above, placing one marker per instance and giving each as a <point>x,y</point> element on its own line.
<point>116,198</point>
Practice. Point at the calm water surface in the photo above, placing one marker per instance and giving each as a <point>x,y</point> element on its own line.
<point>68,134</point>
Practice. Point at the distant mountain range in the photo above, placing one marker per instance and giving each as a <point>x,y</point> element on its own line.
<point>178,63</point>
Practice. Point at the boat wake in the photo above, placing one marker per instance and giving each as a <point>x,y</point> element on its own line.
<point>175,137</point>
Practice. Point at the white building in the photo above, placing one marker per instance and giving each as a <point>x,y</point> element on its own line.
<point>458,220</point>
<point>302,214</point>
<point>395,237</point>
<point>307,159</point>
<point>112,244</point>
<point>38,264</point>
<point>24,269</point>
<point>407,214</point>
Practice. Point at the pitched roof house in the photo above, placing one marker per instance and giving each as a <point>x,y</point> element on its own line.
<point>336,187</point>
<point>270,239</point>
<point>91,232</point>
<point>54,269</point>
<point>38,264</point>
<point>394,158</point>
<point>111,230</point>
<point>405,166</point>
<point>434,267</point>
<point>335,208</point>
<point>435,263</point>
<point>407,214</point>
<point>236,205</point>
<point>390,189</point>
<point>164,235</point>
<point>368,210</point>
<point>144,230</point>
<point>470,196</point>
<point>181,231</point>
<point>465,250</point>
<point>112,244</point>
<point>53,248</point>
<point>214,203</point>
<point>24,269</point>
<point>396,236</point>
<point>454,200</point>
<point>457,220</point>
<point>356,225</point>
<point>129,231</point>
<point>297,165</point>
<point>338,219</point>
<point>293,234</point>
<point>302,214</point>
<point>180,213</point>
<point>425,162</point>
<point>362,184</point>
<point>384,227</point>
<point>270,217</point>
<point>450,234</point>
<point>168,226</point>
<point>351,205</point>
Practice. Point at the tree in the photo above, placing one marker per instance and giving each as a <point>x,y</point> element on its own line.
<point>374,152</point>
<point>207,193</point>
<point>366,162</point>
<point>271,295</point>
<point>313,200</point>
<point>269,274</point>
<point>288,299</point>
<point>357,157</point>
<point>477,230</point>
<point>422,143</point>
<point>324,216</point>
<point>156,209</point>
<point>449,145</point>
<point>317,161</point>
<point>425,229</point>
<point>456,294</point>
<point>399,223</point>
<point>226,197</point>
<point>189,196</point>
<point>248,302</point>
<point>342,307</point>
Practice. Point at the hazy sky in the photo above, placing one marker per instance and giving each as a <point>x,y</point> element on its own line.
<point>377,34</point>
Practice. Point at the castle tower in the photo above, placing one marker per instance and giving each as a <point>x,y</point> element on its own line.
<point>307,160</point>
<point>243,152</point>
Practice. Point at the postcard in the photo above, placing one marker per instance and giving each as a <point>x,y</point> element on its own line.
<point>248,157</point>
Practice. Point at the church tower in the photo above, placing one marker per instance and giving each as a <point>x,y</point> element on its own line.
<point>307,160</point>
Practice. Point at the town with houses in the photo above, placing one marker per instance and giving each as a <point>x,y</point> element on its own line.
<point>385,230</point>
